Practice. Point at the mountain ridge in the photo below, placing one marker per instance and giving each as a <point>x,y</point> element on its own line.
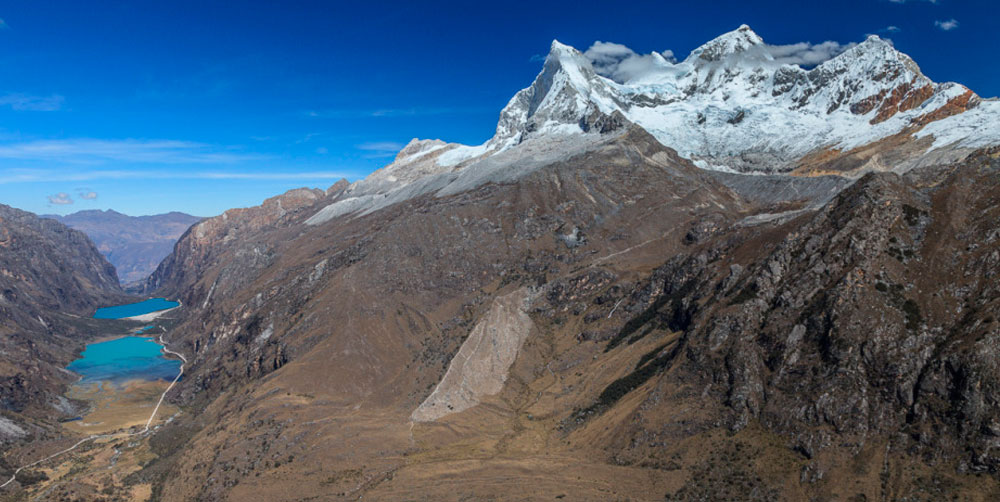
<point>735,110</point>
<point>584,312</point>
<point>865,94</point>
<point>135,245</point>
<point>52,278</point>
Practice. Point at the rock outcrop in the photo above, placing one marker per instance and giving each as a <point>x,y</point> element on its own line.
<point>51,279</point>
<point>689,334</point>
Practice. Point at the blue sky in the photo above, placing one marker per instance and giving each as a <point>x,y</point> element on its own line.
<point>147,107</point>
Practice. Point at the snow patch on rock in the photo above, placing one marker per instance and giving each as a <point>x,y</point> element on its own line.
<point>729,106</point>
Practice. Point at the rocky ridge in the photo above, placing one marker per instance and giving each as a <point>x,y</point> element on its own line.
<point>51,279</point>
<point>602,318</point>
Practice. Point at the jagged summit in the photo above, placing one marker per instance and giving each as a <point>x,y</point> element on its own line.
<point>875,51</point>
<point>731,105</point>
<point>557,49</point>
<point>566,90</point>
<point>737,41</point>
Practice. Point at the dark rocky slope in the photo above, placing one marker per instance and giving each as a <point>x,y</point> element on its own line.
<point>51,280</point>
<point>367,311</point>
<point>842,350</point>
<point>870,325</point>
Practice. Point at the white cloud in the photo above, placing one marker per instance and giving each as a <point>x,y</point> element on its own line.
<point>61,199</point>
<point>48,175</point>
<point>380,149</point>
<point>621,64</point>
<point>417,111</point>
<point>87,194</point>
<point>99,151</point>
<point>807,54</point>
<point>26,102</point>
<point>948,25</point>
<point>607,53</point>
<point>892,29</point>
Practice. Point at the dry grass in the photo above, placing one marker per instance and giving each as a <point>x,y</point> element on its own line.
<point>115,407</point>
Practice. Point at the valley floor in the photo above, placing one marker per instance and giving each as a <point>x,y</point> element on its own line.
<point>102,448</point>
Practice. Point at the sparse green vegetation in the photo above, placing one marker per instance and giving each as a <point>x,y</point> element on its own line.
<point>649,355</point>
<point>637,322</point>
<point>912,311</point>
<point>617,389</point>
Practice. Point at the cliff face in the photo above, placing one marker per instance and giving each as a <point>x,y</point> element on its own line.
<point>622,309</point>
<point>236,229</point>
<point>868,326</point>
<point>51,279</point>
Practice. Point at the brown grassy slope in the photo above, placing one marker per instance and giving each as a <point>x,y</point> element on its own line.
<point>313,345</point>
<point>360,340</point>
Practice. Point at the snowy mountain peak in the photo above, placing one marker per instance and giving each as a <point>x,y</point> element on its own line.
<point>566,61</point>
<point>738,41</point>
<point>564,92</point>
<point>558,49</point>
<point>731,105</point>
<point>417,147</point>
<point>875,39</point>
<point>877,48</point>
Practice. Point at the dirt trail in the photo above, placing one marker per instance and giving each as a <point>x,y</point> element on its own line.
<point>144,430</point>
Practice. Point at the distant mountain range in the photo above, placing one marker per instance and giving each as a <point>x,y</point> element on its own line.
<point>731,279</point>
<point>135,245</point>
<point>730,106</point>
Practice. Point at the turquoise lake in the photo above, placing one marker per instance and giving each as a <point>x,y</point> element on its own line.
<point>134,309</point>
<point>123,359</point>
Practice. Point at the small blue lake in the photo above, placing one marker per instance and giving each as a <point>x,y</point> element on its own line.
<point>123,359</point>
<point>134,309</point>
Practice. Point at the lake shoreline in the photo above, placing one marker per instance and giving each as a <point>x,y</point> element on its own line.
<point>116,405</point>
<point>137,311</point>
<point>123,358</point>
<point>152,316</point>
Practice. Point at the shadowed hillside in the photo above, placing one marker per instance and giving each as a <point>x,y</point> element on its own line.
<point>135,245</point>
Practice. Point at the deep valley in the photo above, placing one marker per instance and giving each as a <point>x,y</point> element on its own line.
<point>738,280</point>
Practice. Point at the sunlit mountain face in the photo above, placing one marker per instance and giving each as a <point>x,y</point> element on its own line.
<point>762,271</point>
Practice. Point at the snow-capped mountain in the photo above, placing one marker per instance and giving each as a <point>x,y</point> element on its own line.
<point>731,105</point>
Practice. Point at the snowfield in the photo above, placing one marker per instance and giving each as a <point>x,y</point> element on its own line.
<point>729,106</point>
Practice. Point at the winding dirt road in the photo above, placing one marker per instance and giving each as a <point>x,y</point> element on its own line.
<point>144,430</point>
